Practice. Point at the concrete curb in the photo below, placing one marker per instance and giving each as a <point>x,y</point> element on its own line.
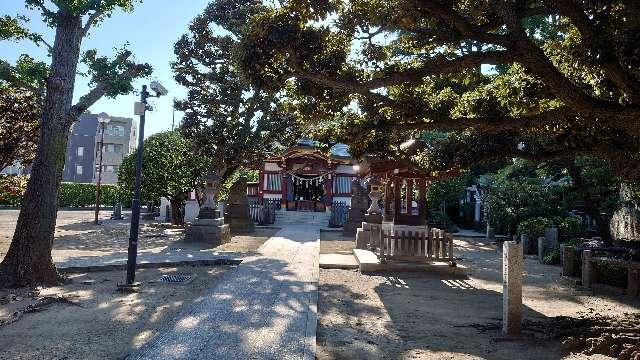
<point>150,265</point>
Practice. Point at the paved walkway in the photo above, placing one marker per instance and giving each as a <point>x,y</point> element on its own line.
<point>266,308</point>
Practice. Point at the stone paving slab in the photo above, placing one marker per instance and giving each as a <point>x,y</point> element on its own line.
<point>338,261</point>
<point>265,308</point>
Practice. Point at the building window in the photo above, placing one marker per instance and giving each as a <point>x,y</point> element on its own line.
<point>342,185</point>
<point>80,151</point>
<point>78,170</point>
<point>273,182</point>
<point>114,130</point>
<point>110,168</point>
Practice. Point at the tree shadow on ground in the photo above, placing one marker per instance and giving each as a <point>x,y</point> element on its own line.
<point>422,316</point>
<point>109,324</point>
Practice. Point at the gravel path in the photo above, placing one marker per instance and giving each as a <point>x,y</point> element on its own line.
<point>263,309</point>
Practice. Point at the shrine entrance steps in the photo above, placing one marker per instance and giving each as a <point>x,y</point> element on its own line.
<point>284,218</point>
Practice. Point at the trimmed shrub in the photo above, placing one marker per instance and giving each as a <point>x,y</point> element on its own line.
<point>12,190</point>
<point>534,227</point>
<point>569,228</point>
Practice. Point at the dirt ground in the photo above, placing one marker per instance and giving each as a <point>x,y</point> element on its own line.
<point>97,321</point>
<point>334,242</point>
<point>427,316</point>
<point>77,236</point>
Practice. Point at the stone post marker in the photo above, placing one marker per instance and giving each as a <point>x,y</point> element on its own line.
<point>357,208</point>
<point>542,247</point>
<point>512,259</point>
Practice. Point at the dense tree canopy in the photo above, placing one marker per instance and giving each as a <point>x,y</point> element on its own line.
<point>565,80</point>
<point>19,125</point>
<point>228,120</point>
<point>170,169</point>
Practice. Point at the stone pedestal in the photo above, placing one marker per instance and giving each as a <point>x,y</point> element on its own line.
<point>551,234</point>
<point>359,204</point>
<point>209,231</point>
<point>512,288</point>
<point>568,259</point>
<point>363,236</point>
<point>491,233</point>
<point>373,218</point>
<point>237,217</point>
<point>356,217</point>
<point>526,244</point>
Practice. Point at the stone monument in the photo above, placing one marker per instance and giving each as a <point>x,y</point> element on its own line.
<point>236,212</point>
<point>357,209</point>
<point>209,227</point>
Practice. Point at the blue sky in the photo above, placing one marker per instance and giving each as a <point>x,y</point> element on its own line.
<point>151,30</point>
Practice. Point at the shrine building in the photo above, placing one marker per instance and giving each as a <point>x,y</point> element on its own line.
<point>305,179</point>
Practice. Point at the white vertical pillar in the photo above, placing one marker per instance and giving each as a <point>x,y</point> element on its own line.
<point>512,260</point>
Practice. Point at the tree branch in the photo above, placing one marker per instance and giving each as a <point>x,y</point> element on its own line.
<point>437,66</point>
<point>6,74</point>
<point>594,38</point>
<point>103,87</point>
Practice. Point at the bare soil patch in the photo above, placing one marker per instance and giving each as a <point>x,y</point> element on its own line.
<point>77,236</point>
<point>94,321</point>
<point>428,316</point>
<point>332,242</point>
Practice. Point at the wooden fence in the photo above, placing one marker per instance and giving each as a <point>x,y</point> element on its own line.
<point>432,245</point>
<point>339,214</point>
<point>264,213</point>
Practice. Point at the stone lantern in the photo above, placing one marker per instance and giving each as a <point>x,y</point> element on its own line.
<point>374,213</point>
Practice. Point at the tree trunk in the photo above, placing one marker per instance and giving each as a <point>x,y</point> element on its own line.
<point>177,216</point>
<point>28,261</point>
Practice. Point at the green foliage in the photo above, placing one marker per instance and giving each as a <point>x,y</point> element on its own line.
<point>170,167</point>
<point>12,189</point>
<point>534,227</point>
<point>20,112</point>
<point>569,228</point>
<point>374,73</point>
<point>71,195</point>
<point>229,121</point>
<point>516,192</point>
<point>84,195</point>
<point>249,174</point>
<point>552,257</point>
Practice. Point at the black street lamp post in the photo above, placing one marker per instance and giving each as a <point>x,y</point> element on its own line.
<point>141,109</point>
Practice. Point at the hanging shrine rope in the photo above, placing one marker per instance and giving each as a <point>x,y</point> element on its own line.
<point>306,181</point>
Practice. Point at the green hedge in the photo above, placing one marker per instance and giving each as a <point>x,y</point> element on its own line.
<point>82,195</point>
<point>569,227</point>
<point>70,195</point>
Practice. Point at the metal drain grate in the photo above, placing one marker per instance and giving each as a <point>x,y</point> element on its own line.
<point>175,279</point>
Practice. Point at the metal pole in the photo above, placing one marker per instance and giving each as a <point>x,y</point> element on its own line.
<point>98,192</point>
<point>135,203</point>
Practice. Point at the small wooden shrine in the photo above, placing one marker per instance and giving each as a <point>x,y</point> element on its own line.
<point>403,184</point>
